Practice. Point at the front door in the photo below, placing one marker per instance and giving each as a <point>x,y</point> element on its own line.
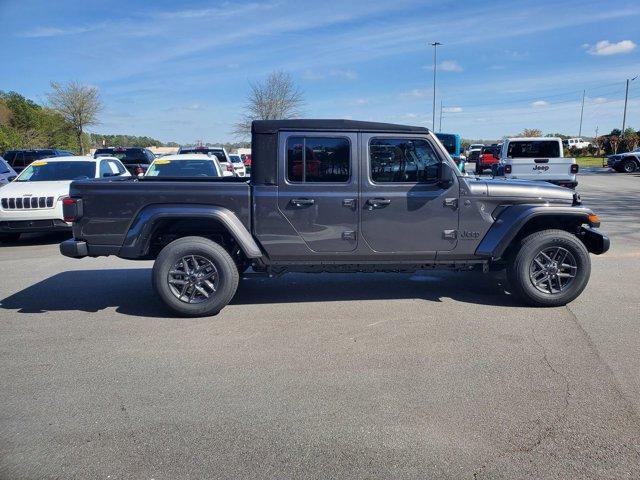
<point>318,188</point>
<point>405,208</point>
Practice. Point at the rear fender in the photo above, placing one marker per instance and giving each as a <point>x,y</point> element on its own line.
<point>140,233</point>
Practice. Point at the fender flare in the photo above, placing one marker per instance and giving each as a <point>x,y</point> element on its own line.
<point>138,237</point>
<point>511,221</point>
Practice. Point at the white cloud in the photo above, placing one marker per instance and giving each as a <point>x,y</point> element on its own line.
<point>599,100</point>
<point>415,93</point>
<point>605,47</point>
<point>41,32</point>
<point>452,109</point>
<point>309,74</point>
<point>410,116</point>
<point>450,66</point>
<point>539,103</point>
<point>358,102</point>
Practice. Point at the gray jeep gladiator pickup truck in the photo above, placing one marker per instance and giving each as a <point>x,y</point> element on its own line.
<point>336,196</point>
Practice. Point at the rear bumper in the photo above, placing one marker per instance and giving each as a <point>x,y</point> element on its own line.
<point>74,248</point>
<point>565,183</point>
<point>34,226</point>
<point>595,241</point>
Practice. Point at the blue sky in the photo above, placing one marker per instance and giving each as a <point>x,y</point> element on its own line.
<point>180,70</point>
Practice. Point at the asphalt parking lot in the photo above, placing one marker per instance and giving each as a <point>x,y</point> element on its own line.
<point>430,375</point>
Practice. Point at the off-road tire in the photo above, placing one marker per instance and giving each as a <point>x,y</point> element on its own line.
<point>227,274</point>
<point>520,263</point>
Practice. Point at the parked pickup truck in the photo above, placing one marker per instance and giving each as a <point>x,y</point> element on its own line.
<point>537,158</point>
<point>336,196</point>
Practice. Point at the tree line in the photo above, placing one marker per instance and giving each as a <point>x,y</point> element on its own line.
<point>24,124</point>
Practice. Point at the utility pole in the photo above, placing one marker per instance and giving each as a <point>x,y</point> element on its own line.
<point>440,128</point>
<point>626,96</point>
<point>581,112</point>
<point>433,117</point>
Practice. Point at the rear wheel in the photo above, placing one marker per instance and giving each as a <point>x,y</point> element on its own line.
<point>9,237</point>
<point>629,166</point>
<point>549,268</point>
<point>195,277</point>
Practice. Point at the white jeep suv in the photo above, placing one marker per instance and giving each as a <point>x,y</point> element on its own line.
<point>33,201</point>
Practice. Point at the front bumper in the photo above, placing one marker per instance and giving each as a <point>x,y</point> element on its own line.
<point>34,226</point>
<point>595,241</point>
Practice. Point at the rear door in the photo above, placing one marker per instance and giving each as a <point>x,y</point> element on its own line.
<point>405,208</point>
<point>318,188</point>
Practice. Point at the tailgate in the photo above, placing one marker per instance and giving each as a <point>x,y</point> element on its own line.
<point>542,168</point>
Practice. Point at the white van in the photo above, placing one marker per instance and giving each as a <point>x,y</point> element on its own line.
<point>576,143</point>
<point>537,158</point>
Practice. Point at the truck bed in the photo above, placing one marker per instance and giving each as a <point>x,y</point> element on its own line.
<point>111,205</point>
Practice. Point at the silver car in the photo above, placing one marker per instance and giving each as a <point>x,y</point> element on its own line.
<point>7,174</point>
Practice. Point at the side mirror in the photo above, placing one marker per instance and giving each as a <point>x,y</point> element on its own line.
<point>446,176</point>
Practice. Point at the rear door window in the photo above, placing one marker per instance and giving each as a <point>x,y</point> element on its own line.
<point>318,159</point>
<point>533,149</point>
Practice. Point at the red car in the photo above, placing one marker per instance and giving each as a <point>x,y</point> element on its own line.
<point>487,159</point>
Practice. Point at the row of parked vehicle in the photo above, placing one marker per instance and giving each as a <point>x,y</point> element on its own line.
<point>34,199</point>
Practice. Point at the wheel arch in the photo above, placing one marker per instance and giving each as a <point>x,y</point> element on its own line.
<point>520,220</point>
<point>185,220</point>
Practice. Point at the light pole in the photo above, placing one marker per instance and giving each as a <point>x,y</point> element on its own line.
<point>626,96</point>
<point>581,112</point>
<point>433,117</point>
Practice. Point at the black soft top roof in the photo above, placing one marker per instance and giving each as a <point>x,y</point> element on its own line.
<point>273,126</point>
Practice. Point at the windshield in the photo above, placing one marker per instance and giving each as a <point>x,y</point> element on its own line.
<point>183,168</point>
<point>448,141</point>
<point>4,166</point>
<point>235,158</point>
<point>125,155</point>
<point>207,151</point>
<point>533,149</point>
<point>43,171</point>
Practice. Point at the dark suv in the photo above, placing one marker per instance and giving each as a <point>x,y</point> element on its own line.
<point>135,159</point>
<point>19,159</point>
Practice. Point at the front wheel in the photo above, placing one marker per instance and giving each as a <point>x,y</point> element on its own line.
<point>195,277</point>
<point>549,268</point>
<point>629,166</point>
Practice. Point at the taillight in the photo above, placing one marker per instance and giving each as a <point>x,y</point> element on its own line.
<point>138,170</point>
<point>71,209</point>
<point>574,168</point>
<point>229,167</point>
<point>507,169</point>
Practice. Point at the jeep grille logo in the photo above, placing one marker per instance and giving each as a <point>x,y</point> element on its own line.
<point>541,168</point>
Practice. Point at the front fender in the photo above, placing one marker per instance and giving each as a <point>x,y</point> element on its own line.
<point>138,238</point>
<point>511,221</point>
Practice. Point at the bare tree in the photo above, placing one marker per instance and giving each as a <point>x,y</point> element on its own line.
<point>278,97</point>
<point>78,104</point>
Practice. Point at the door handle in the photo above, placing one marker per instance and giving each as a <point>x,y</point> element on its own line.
<point>302,202</point>
<point>451,203</point>
<point>377,203</point>
<point>349,202</point>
